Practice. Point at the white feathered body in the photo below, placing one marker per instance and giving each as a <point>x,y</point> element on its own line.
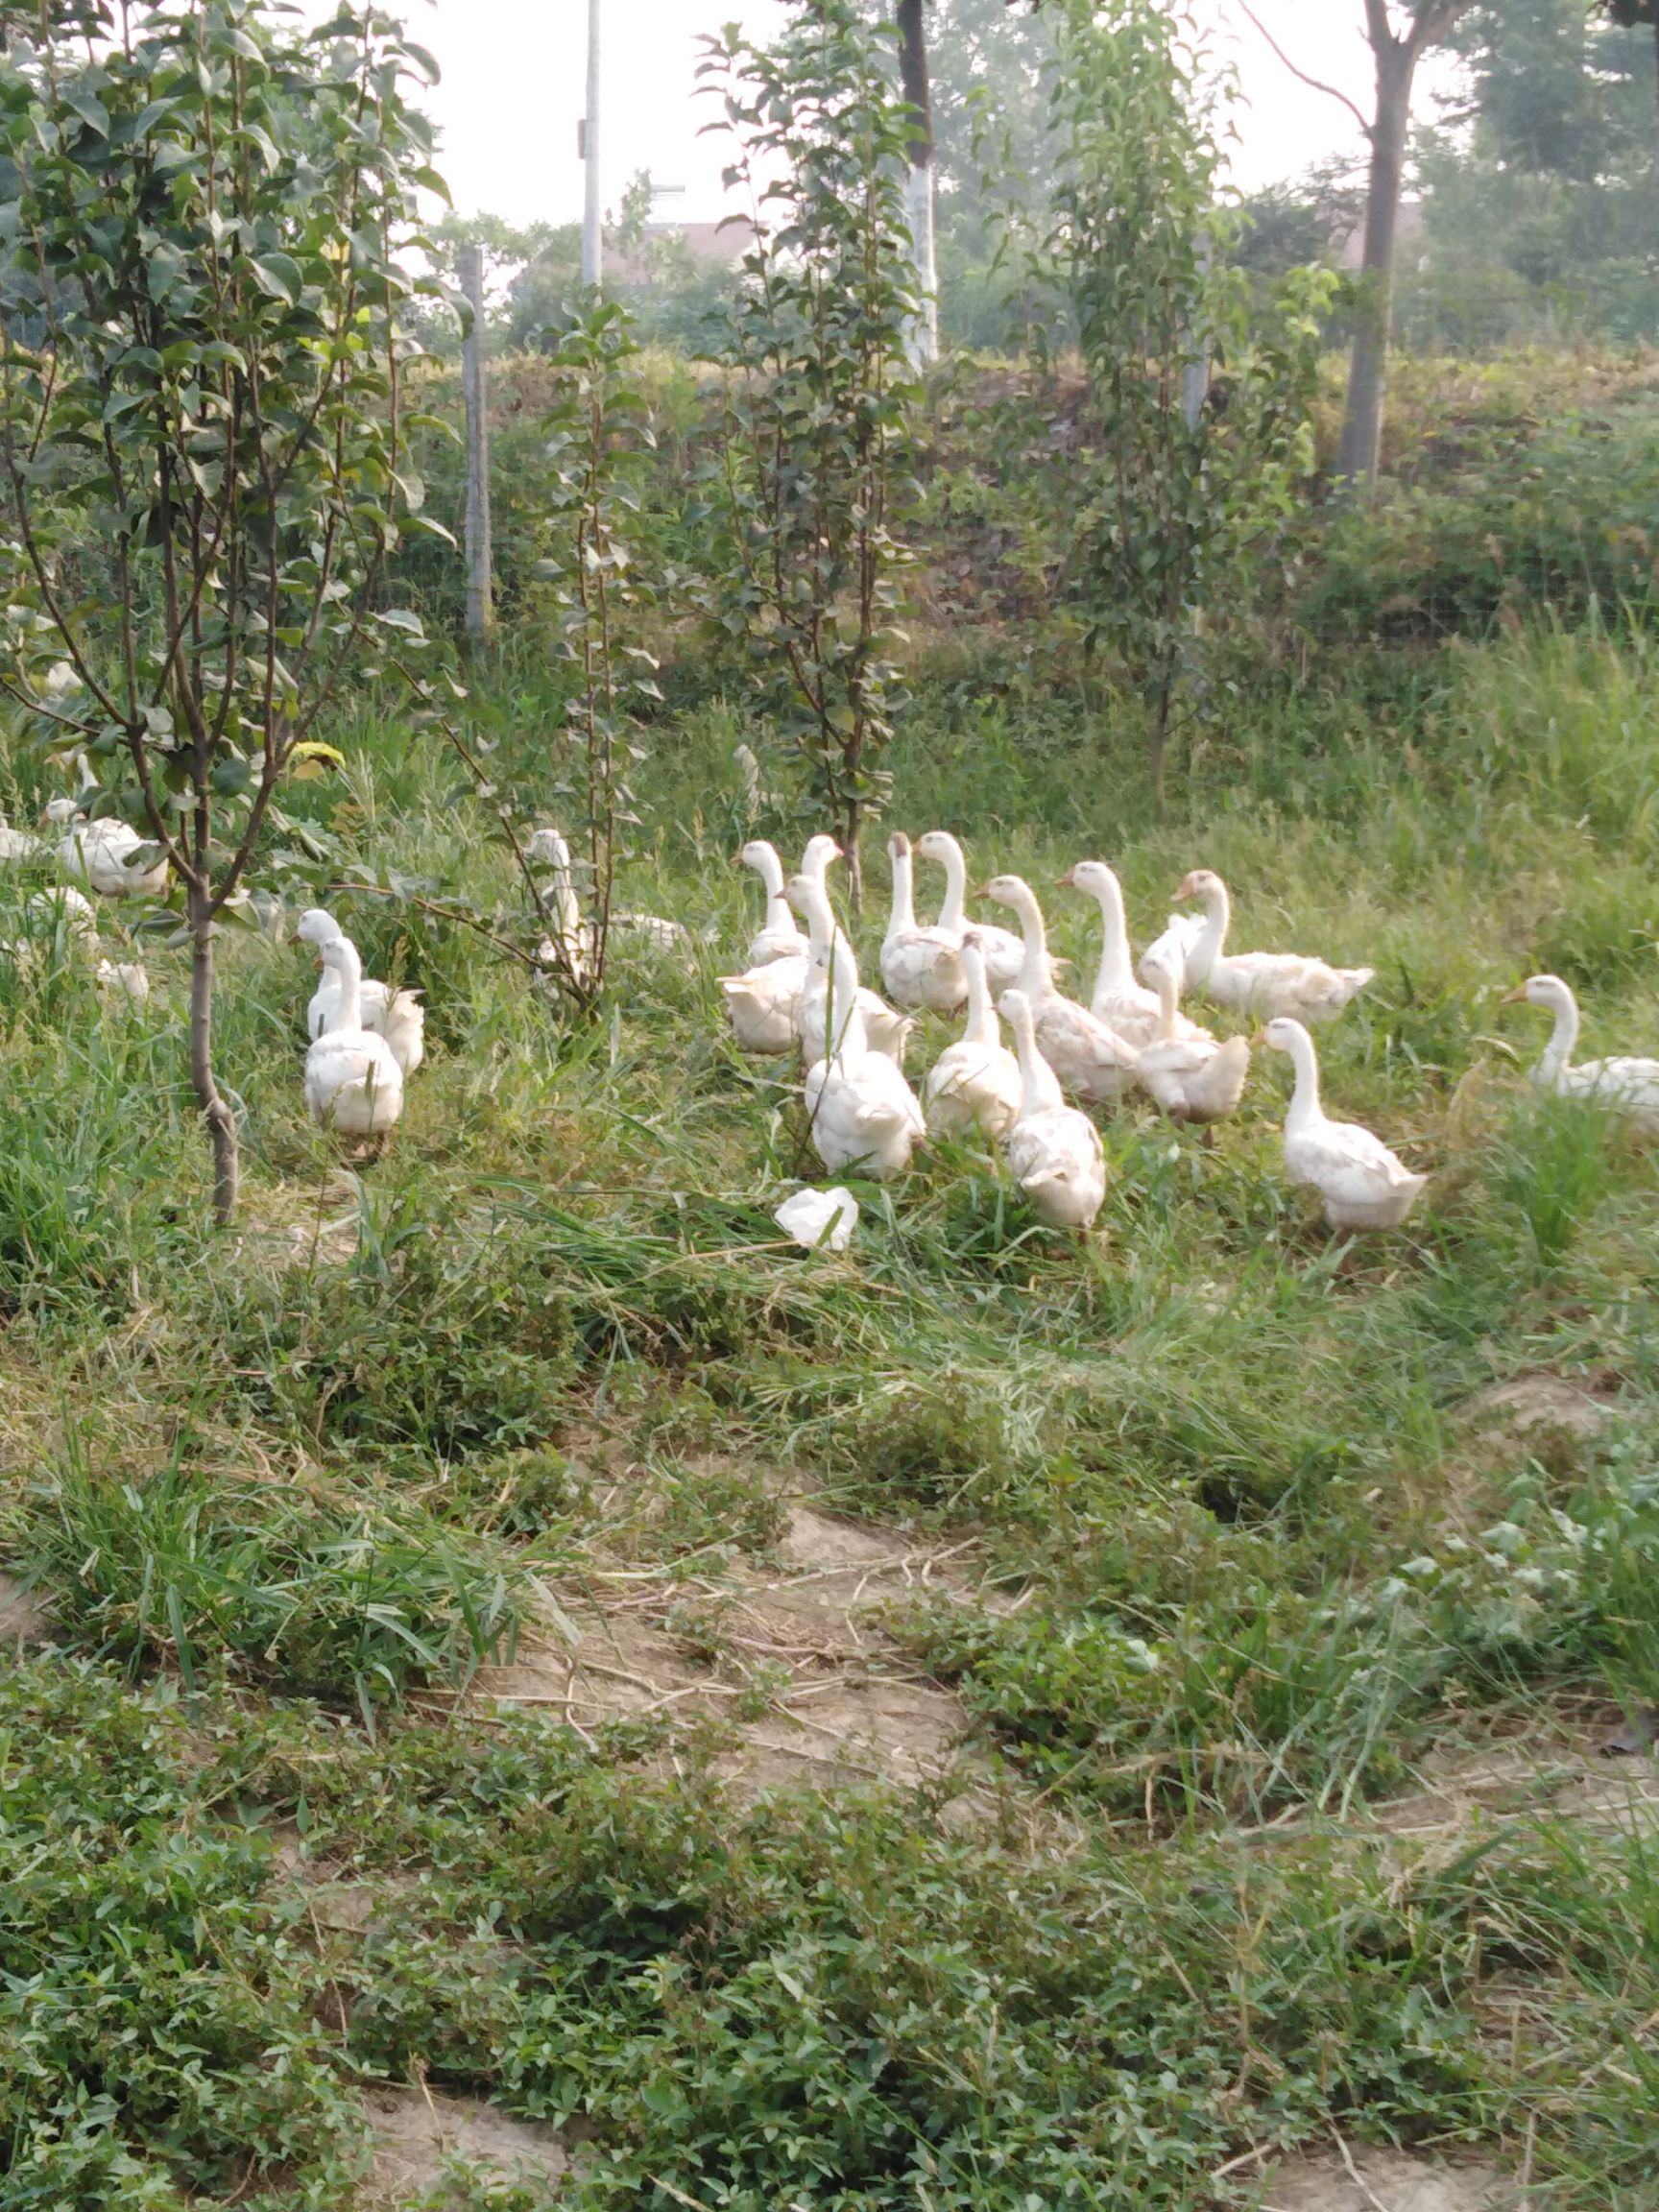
<point>1174,949</point>
<point>762,1004</point>
<point>101,854</point>
<point>922,968</point>
<point>1194,1078</point>
<point>1057,1159</point>
<point>972,1086</point>
<point>885,1031</point>
<point>1361,1184</point>
<point>1623,1084</point>
<point>863,1112</point>
<point>354,1083</point>
<point>397,1016</point>
<point>1269,984</point>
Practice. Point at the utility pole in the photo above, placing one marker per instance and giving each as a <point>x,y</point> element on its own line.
<point>480,566</point>
<point>592,242</point>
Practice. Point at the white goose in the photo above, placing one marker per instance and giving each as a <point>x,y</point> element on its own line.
<point>1003,951</point>
<point>17,845</point>
<point>1088,1056</point>
<point>397,1016</point>
<point>863,1112</point>
<point>122,985</point>
<point>1117,999</point>
<point>974,1082</point>
<point>1192,1076</point>
<point>1624,1085</point>
<point>1054,1151</point>
<point>67,908</point>
<point>1361,1183</point>
<point>763,1004</point>
<point>1181,932</point>
<point>101,853</point>
<point>573,942</point>
<point>885,1031</point>
<point>1260,983</point>
<point>921,966</point>
<point>46,914</point>
<point>780,936</point>
<point>352,1080</point>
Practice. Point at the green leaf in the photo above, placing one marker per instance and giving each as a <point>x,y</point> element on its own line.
<point>278,275</point>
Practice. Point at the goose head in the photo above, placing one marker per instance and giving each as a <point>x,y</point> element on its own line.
<point>938,845</point>
<point>820,852</point>
<point>1201,883</point>
<point>548,845</point>
<point>317,927</point>
<point>1285,1035</point>
<point>1009,891</point>
<point>1546,991</point>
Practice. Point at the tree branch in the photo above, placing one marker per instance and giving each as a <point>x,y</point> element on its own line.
<point>1378,28</point>
<point>1315,83</point>
<point>1435,20</point>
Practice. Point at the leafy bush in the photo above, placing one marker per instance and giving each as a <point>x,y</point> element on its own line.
<point>1558,515</point>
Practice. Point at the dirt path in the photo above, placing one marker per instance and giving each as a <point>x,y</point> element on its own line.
<point>792,1653</point>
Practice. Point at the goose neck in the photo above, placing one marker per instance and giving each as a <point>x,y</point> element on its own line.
<point>342,956</point>
<point>770,869</point>
<point>1168,1008</point>
<point>1557,1054</point>
<point>1034,967</point>
<point>1038,1088</point>
<point>845,1040</point>
<point>1212,939</point>
<point>953,915</point>
<point>980,1027</point>
<point>1305,1104</point>
<point>903,915</point>
<point>1115,975</point>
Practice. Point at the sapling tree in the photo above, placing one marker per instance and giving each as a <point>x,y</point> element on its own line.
<point>598,435</point>
<point>1191,484</point>
<point>204,210</point>
<point>812,485</point>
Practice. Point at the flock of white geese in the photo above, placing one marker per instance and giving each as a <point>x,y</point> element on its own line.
<point>802,991</point>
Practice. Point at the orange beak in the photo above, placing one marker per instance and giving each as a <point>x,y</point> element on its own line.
<point>1065,882</point>
<point>1515,997</point>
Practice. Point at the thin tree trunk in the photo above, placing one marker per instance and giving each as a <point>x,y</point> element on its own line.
<point>480,577</point>
<point>220,1122</point>
<point>1362,446</point>
<point>592,235</point>
<point>919,191</point>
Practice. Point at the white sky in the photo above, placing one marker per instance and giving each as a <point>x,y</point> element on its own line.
<point>513,75</point>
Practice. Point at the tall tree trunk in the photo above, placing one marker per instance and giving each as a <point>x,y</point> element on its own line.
<point>592,234</point>
<point>480,578</point>
<point>1361,444</point>
<point>919,194</point>
<point>220,1122</point>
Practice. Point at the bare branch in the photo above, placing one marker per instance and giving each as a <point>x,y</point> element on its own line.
<point>1315,83</point>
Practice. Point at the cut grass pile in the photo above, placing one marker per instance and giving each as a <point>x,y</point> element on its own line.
<point>1248,1558</point>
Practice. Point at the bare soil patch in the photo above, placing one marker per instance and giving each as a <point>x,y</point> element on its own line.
<point>25,1617</point>
<point>1538,1405</point>
<point>1384,2181</point>
<point>1562,1773</point>
<point>794,1653</point>
<point>417,2134</point>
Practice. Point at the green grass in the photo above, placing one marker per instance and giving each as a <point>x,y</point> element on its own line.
<point>1247,1559</point>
